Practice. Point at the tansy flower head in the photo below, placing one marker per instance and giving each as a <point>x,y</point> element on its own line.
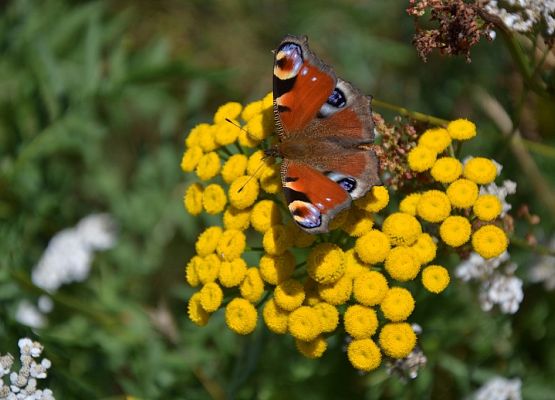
<point>436,139</point>
<point>461,129</point>
<point>462,193</point>
<point>277,239</point>
<point>243,192</point>
<point>252,286</point>
<point>207,140</point>
<point>402,229</point>
<point>275,318</point>
<point>211,296</point>
<point>433,206</point>
<point>251,110</point>
<point>191,274</point>
<point>397,340</point>
<point>234,167</point>
<point>304,324</point>
<point>375,200</point>
<point>240,316</point>
<point>360,322</point>
<point>372,247</point>
<point>408,204</point>
<point>425,248</point>
<point>364,355</point>
<point>259,126</point>
<point>190,159</point>
<point>446,169</point>
<point>208,240</point>
<point>489,241</point>
<point>232,273</point>
<point>397,304</point>
<point>208,166</point>
<point>265,214</point>
<point>435,278</point>
<point>480,170</point>
<point>328,314</point>
<point>369,288</point>
<point>487,207</point>
<point>353,264</point>
<point>455,230</point>
<point>226,133</point>
<point>402,263</point>
<point>230,110</point>
<point>193,138</point>
<point>237,219</point>
<point>358,222</point>
<point>208,268</point>
<point>421,158</point>
<point>193,199</point>
<point>231,244</point>
<point>275,269</point>
<point>289,294</point>
<point>312,348</point>
<point>338,292</point>
<point>325,263</point>
<point>246,140</point>
<point>214,199</point>
<point>197,314</point>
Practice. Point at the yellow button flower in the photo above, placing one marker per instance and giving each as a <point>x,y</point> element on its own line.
<point>360,322</point>
<point>252,286</point>
<point>231,244</point>
<point>338,292</point>
<point>191,275</point>
<point>245,140</point>
<point>289,294</point>
<point>208,240</point>
<point>304,324</point>
<point>397,305</point>
<point>489,241</point>
<point>372,247</point>
<point>435,278</point>
<point>487,207</point>
<point>275,318</point>
<point>191,158</point>
<point>270,179</point>
<point>421,158</point>
<point>433,206</point>
<point>436,139</point>
<point>313,348</point>
<point>243,192</point>
<point>329,316</point>
<point>193,199</point>
<point>276,269</point>
<point>208,166</point>
<point>251,110</point>
<point>260,126</point>
<point>257,163</point>
<point>408,204</point>
<point>455,230</point>
<point>480,170</point>
<point>397,340</point>
<point>208,268</point>
<point>211,296</point>
<point>214,199</point>
<point>425,248</point>
<point>226,133</point>
<point>237,219</point>
<point>462,193</point>
<point>446,169</point>
<point>265,214</point>
<point>268,101</point>
<point>364,355</point>
<point>461,129</point>
<point>369,288</point>
<point>240,316</point>
<point>193,138</point>
<point>230,110</point>
<point>206,140</point>
<point>325,263</point>
<point>353,264</point>
<point>375,200</point>
<point>358,222</point>
<point>234,168</point>
<point>197,314</point>
<point>277,240</point>
<point>402,263</point>
<point>232,273</point>
<point>402,229</point>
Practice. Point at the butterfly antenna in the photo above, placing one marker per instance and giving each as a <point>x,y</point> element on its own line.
<point>237,125</point>
<point>253,175</point>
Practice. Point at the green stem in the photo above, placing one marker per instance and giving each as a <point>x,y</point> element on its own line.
<point>411,114</point>
<point>539,148</point>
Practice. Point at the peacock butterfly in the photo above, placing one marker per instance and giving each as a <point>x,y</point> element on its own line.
<point>325,131</point>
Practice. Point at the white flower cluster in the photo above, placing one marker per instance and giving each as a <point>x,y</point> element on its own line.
<point>499,287</point>
<point>544,269</point>
<point>23,384</point>
<point>499,388</point>
<point>408,367</point>
<point>522,15</point>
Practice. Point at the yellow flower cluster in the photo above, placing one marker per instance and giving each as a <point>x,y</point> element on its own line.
<point>304,285</point>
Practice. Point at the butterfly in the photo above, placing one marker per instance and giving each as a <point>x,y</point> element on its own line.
<point>325,131</point>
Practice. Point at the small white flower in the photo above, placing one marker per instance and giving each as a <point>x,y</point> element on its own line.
<point>544,269</point>
<point>499,388</point>
<point>27,314</point>
<point>501,192</point>
<point>505,291</point>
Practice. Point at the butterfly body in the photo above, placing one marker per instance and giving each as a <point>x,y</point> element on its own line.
<point>325,130</point>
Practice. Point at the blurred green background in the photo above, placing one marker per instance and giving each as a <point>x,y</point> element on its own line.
<point>96,99</point>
